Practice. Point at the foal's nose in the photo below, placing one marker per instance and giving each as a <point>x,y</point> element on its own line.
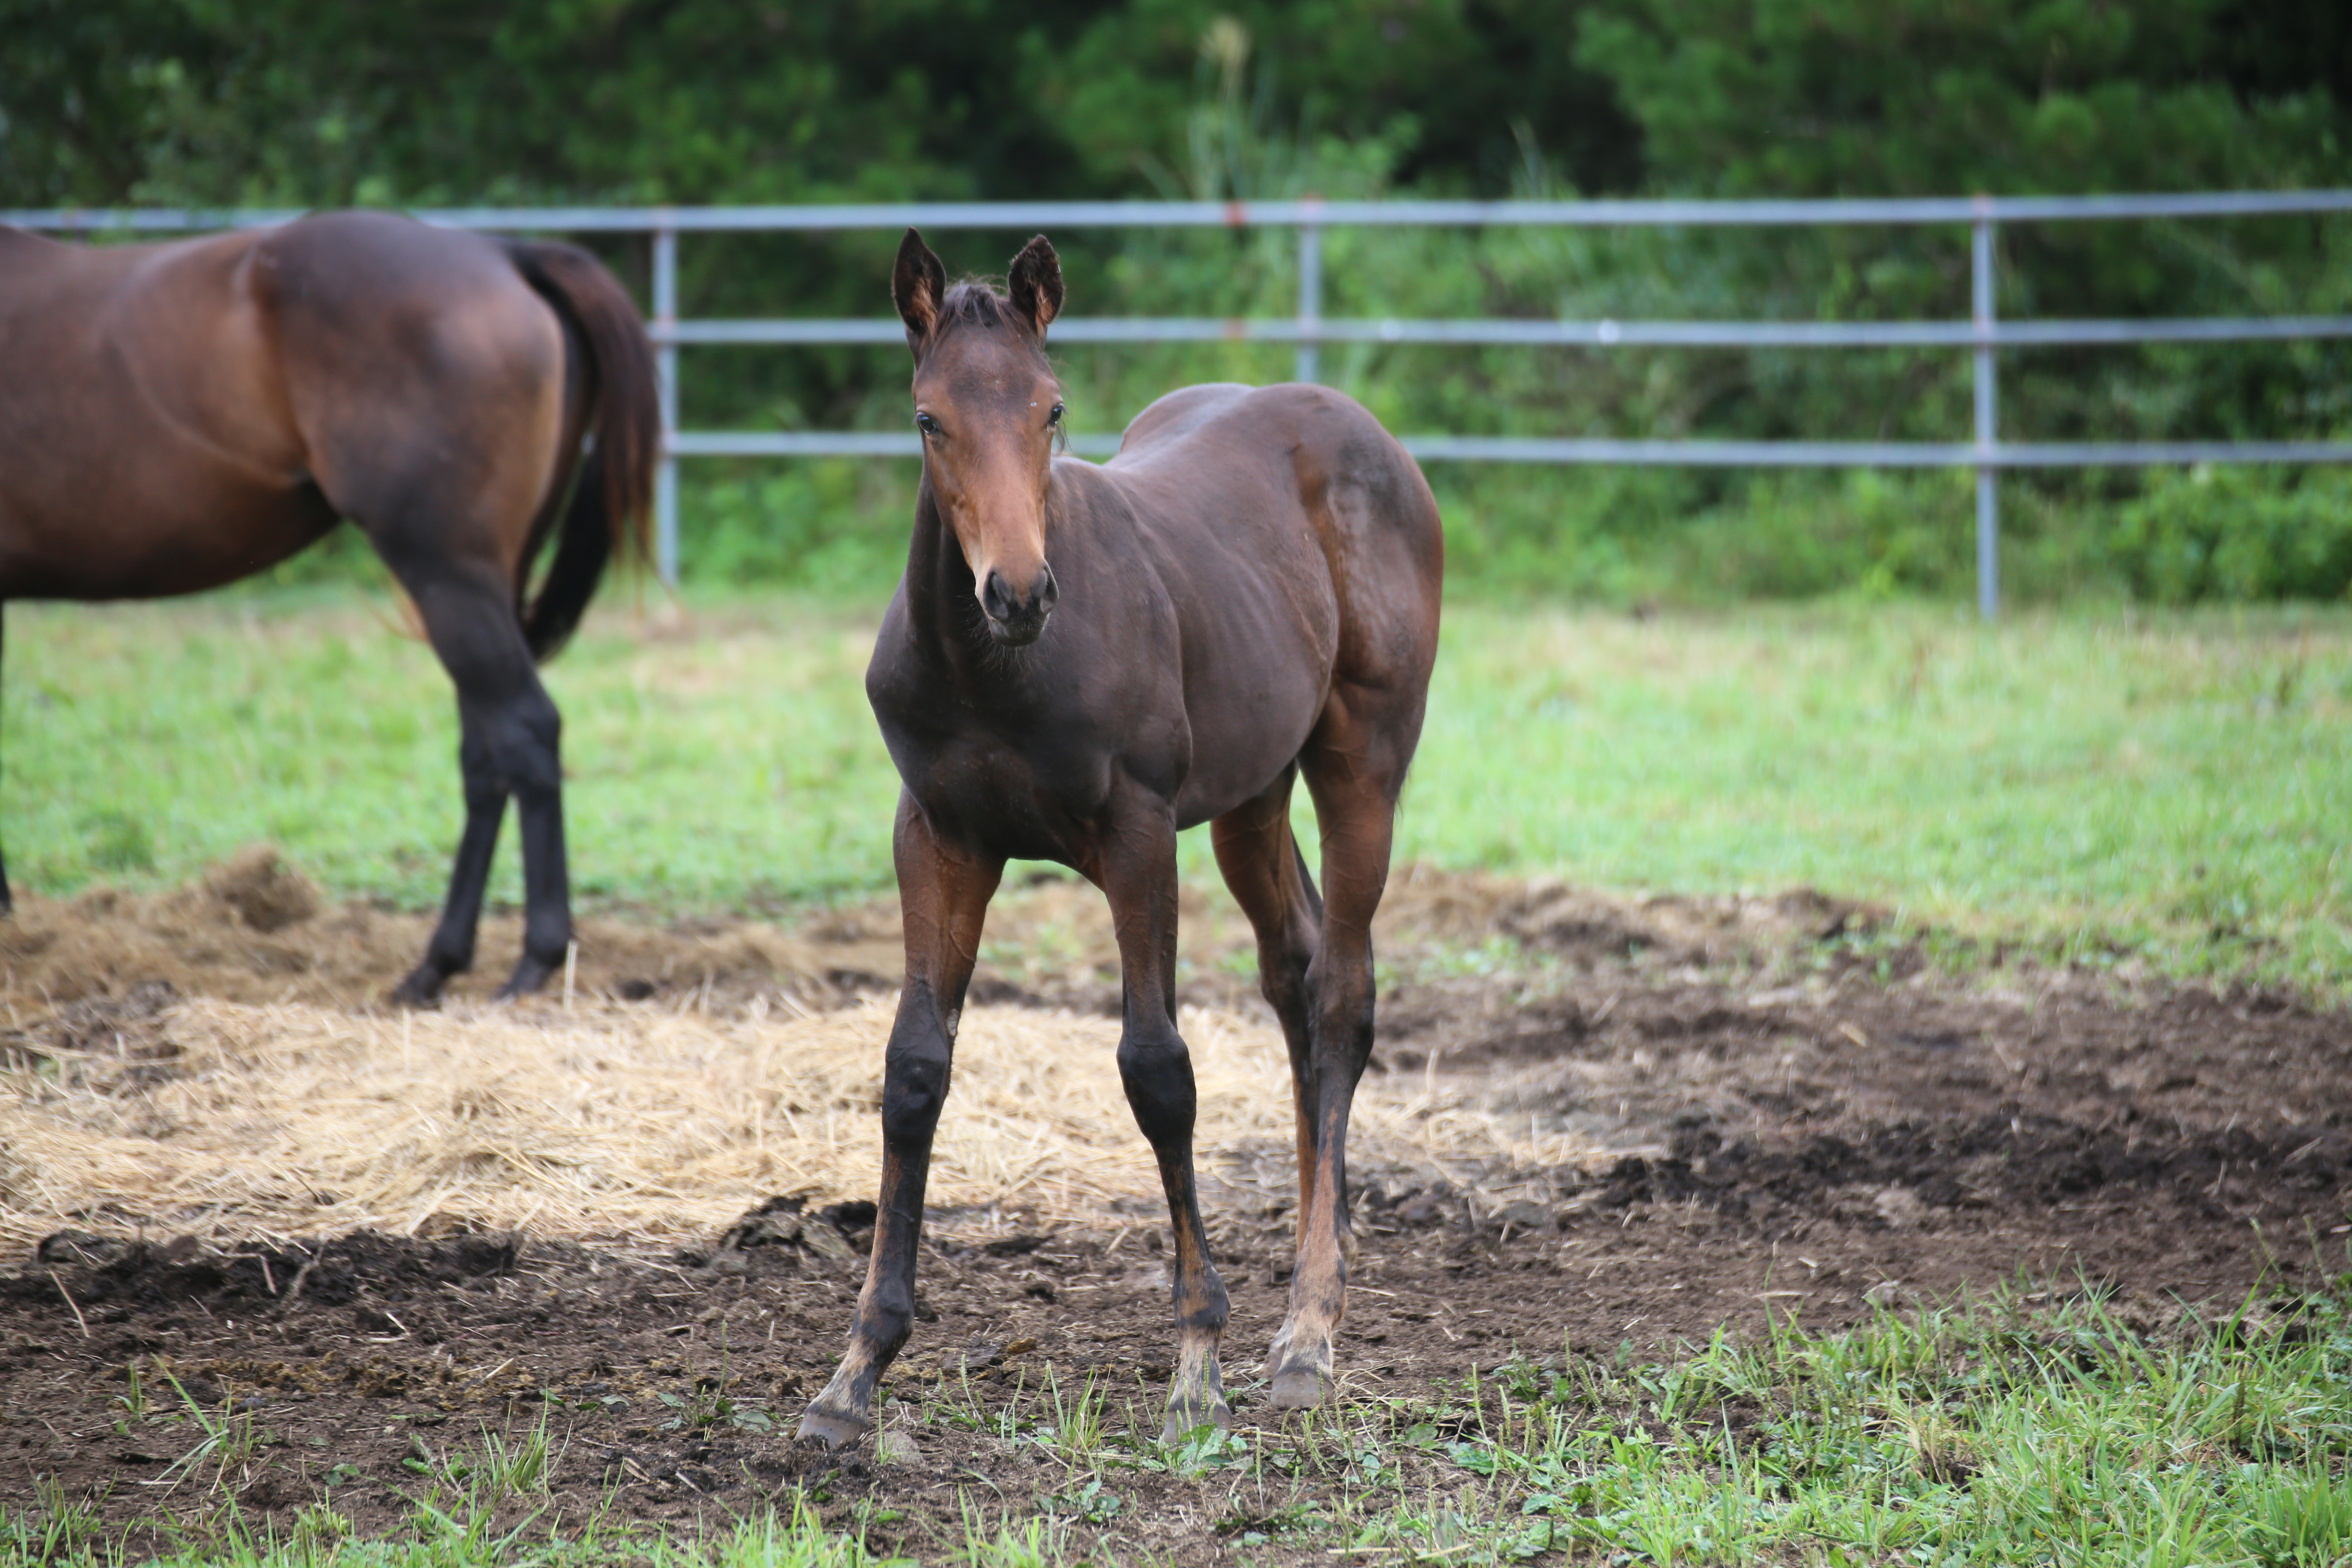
<point>1021,616</point>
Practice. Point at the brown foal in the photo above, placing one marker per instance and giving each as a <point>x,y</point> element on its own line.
<point>1247,593</point>
<point>177,417</point>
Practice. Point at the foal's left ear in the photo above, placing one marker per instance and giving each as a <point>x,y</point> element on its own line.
<point>1036,281</point>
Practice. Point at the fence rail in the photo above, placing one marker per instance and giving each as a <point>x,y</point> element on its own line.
<point>1983,335</point>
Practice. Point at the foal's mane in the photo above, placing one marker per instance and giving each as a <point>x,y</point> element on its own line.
<point>975,303</point>
<point>978,302</point>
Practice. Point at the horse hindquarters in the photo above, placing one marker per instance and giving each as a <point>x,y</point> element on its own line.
<point>464,441</point>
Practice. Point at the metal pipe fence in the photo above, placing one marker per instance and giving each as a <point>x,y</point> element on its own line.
<point>1983,335</point>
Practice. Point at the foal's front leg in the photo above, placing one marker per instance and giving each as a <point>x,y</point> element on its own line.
<point>943,897</point>
<point>1138,873</point>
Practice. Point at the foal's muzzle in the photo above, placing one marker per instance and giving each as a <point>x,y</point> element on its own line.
<point>1018,618</point>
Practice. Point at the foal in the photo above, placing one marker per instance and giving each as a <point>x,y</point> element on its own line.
<point>1247,592</point>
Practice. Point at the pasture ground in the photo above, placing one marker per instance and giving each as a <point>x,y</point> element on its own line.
<point>1692,1230</point>
<point>1992,1206</point>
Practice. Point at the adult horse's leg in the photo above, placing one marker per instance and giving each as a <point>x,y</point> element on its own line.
<point>451,950</point>
<point>8,899</point>
<point>943,897</point>
<point>1138,873</point>
<point>1355,767</point>
<point>510,744</point>
<point>1263,867</point>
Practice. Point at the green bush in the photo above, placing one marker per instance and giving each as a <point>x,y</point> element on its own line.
<point>834,526</point>
<point>2235,533</point>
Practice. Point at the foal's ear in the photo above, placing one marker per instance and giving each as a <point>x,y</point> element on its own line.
<point>918,283</point>
<point>1036,281</point>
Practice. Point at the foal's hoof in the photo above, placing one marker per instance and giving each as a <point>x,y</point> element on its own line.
<point>1300,1388</point>
<point>832,1427</point>
<point>1183,1423</point>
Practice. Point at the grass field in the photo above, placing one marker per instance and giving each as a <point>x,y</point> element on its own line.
<point>2102,783</point>
<point>1994,1434</point>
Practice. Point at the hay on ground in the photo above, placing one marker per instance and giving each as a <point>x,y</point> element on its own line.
<point>621,1123</point>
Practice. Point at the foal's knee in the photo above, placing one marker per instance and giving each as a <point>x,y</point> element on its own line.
<point>1157,1072</point>
<point>914,1089</point>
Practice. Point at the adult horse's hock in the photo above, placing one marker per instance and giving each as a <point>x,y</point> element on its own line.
<point>177,417</point>
<point>1082,661</point>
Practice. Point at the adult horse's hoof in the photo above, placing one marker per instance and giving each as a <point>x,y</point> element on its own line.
<point>421,990</point>
<point>832,1427</point>
<point>529,976</point>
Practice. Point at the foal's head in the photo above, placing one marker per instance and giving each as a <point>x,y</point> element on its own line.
<point>989,406</point>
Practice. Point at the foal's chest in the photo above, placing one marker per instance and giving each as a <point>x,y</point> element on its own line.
<point>1039,800</point>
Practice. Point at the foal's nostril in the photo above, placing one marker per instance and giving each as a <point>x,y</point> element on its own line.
<point>1049,592</point>
<point>994,599</point>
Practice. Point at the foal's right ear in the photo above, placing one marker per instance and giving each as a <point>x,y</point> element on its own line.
<point>918,283</point>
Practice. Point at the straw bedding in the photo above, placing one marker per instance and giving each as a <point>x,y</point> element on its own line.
<point>621,1123</point>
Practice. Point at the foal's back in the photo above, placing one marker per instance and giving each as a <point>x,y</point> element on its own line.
<point>1305,481</point>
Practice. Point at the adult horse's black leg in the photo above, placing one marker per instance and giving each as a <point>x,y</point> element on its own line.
<point>944,896</point>
<point>510,744</point>
<point>451,950</point>
<point>1138,873</point>
<point>8,899</point>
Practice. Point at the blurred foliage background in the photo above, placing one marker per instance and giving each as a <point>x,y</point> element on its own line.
<point>437,102</point>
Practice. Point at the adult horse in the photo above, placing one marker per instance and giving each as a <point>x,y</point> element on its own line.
<point>1247,593</point>
<point>177,417</point>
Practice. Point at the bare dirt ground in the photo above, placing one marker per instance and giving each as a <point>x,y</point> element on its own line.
<point>1731,1109</point>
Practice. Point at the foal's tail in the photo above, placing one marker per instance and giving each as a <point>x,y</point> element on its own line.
<point>612,502</point>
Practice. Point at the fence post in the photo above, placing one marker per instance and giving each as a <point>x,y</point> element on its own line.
<point>1988,495</point>
<point>666,369</point>
<point>1311,296</point>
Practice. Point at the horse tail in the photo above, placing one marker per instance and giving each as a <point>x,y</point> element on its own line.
<point>611,502</point>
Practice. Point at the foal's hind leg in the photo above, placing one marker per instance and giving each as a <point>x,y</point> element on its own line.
<point>1355,766</point>
<point>1262,866</point>
<point>509,739</point>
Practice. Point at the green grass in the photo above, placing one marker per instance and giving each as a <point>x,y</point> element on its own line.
<point>2097,782</point>
<point>2000,1432</point>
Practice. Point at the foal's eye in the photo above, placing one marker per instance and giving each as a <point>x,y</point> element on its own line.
<point>927,425</point>
<point>1054,414</point>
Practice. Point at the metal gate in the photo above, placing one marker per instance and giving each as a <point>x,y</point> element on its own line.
<point>1981,336</point>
